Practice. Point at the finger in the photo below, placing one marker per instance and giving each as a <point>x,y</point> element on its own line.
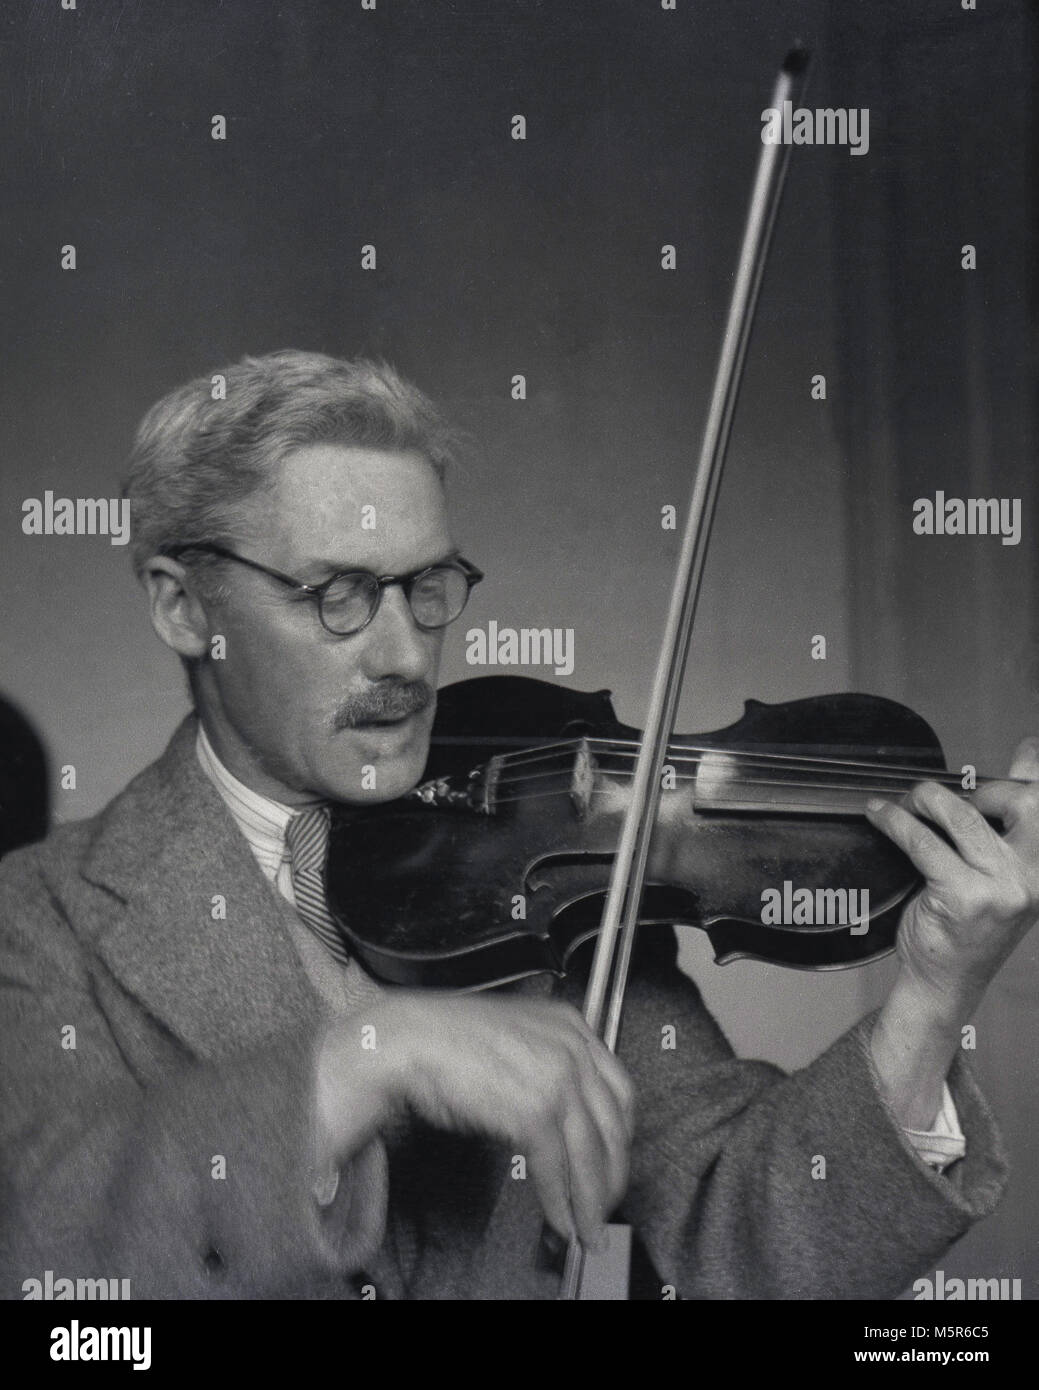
<point>591,1119</point>
<point>608,1066</point>
<point>1025,762</point>
<point>615,1131</point>
<point>966,827</point>
<point>611,1074</point>
<point>549,1167</point>
<point>1016,804</point>
<point>593,1081</point>
<point>588,1167</point>
<point>615,1074</point>
<point>930,854</point>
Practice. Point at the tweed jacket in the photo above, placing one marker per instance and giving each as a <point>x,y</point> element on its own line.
<point>167,1139</point>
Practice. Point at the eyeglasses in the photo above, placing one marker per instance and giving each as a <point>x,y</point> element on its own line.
<point>349,600</point>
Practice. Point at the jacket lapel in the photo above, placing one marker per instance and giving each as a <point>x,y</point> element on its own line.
<point>168,850</point>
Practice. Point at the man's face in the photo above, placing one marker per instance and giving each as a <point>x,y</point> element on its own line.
<point>292,710</point>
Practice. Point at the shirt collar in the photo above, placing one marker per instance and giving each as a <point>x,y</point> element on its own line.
<point>262,819</point>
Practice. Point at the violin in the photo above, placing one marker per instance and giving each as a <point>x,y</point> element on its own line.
<point>497,864</point>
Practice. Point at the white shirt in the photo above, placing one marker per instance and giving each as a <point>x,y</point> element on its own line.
<point>263,822</point>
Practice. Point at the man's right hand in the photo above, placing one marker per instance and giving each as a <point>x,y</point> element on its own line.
<point>529,1073</point>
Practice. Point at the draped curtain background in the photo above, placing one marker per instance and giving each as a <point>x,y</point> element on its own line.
<point>938,392</point>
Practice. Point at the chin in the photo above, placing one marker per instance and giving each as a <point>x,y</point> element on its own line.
<point>389,786</point>
<point>377,775</point>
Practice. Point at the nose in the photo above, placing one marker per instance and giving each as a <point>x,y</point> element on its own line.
<point>394,645</point>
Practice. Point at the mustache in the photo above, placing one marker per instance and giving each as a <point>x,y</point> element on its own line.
<point>394,701</point>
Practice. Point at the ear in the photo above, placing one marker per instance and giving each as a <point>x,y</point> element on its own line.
<point>177,612</point>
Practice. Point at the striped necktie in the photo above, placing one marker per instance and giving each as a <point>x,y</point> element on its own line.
<point>307,838</point>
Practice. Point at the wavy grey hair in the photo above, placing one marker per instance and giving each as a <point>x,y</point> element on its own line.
<point>195,461</point>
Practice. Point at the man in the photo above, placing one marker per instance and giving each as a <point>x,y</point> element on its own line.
<point>244,1113</point>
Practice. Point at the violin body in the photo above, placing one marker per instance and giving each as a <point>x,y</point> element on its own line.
<point>496,867</point>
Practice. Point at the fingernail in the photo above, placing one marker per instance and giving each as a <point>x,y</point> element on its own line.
<point>874,804</point>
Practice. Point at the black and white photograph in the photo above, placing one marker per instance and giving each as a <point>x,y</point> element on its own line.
<point>520,682</point>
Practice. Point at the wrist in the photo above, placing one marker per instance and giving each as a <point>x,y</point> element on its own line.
<point>932,1005</point>
<point>354,1091</point>
<point>915,1039</point>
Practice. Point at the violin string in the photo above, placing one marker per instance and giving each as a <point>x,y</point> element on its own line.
<point>568,746</point>
<point>859,788</point>
<point>892,778</point>
<point>693,753</point>
<point>635,745</point>
<point>890,774</point>
<point>878,789</point>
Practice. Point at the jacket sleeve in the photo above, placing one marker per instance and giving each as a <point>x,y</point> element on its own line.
<point>107,1174</point>
<point>747,1183</point>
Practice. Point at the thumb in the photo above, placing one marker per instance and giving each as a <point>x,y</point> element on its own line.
<point>1025,762</point>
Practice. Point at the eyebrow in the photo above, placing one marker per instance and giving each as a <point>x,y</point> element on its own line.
<point>326,568</point>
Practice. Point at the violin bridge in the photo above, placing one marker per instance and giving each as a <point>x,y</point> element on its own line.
<point>582,779</point>
<point>483,786</point>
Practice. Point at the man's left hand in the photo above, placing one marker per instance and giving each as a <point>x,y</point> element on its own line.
<point>981,894</point>
<point>980,897</point>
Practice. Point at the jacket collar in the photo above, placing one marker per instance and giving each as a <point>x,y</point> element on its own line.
<point>169,852</point>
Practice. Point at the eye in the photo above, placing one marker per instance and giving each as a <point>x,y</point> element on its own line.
<point>438,596</point>
<point>348,601</point>
<point>349,586</point>
<point>430,585</point>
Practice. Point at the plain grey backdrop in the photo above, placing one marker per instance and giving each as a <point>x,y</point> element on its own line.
<point>496,256</point>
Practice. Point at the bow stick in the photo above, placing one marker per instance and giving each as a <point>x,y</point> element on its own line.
<point>612,960</point>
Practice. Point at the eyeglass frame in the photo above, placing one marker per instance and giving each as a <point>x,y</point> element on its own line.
<point>469,571</point>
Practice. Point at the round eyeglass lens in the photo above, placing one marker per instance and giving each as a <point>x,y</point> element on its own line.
<point>347,604</point>
<point>438,596</point>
